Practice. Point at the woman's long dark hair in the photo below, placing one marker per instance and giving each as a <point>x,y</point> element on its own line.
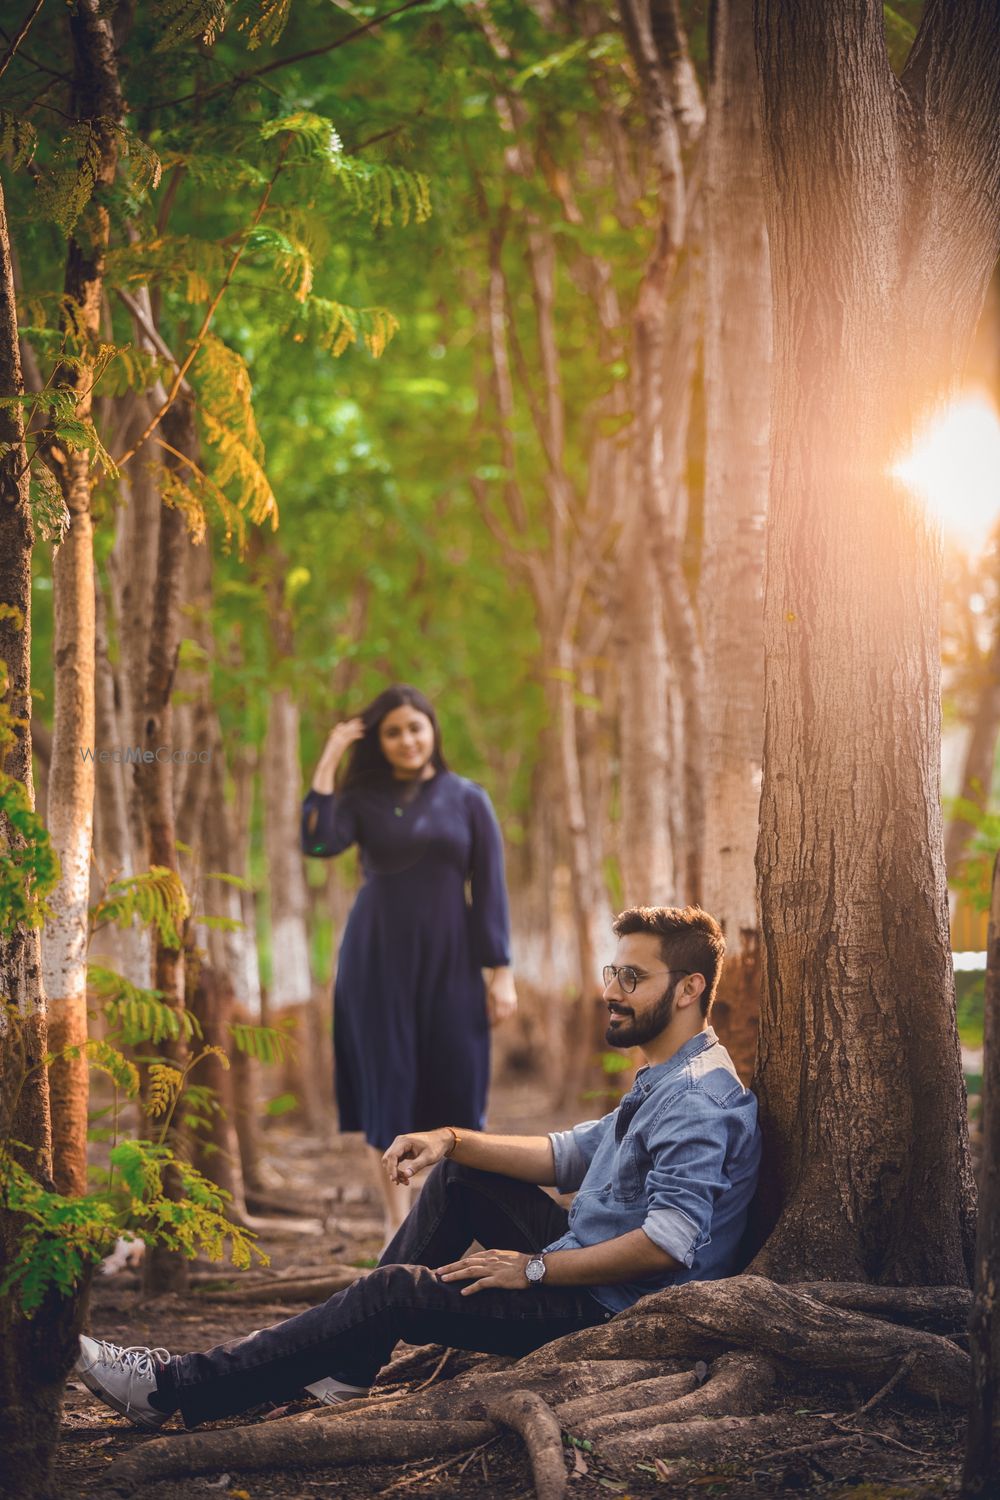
<point>366,765</point>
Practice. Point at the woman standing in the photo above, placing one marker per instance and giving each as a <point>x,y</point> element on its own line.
<point>411,1010</point>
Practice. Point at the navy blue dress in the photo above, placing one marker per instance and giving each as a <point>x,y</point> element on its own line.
<point>411,1035</point>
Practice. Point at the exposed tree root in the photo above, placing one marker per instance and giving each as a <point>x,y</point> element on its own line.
<point>704,1319</point>
<point>539,1430</point>
<point>290,1443</point>
<point>470,1395</point>
<point>738,1385</point>
<point>637,1395</point>
<point>740,1438</point>
<point>936,1309</point>
<point>628,1384</point>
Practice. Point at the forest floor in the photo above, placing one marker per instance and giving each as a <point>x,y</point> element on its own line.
<point>894,1452</point>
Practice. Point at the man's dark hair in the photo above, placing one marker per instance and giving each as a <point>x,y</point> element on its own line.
<point>689,939</point>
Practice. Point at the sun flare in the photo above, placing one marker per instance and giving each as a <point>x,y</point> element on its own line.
<point>954,466</point>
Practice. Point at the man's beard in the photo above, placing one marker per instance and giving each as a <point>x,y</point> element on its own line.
<point>633,1031</point>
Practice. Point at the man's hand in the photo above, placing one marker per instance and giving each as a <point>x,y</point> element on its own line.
<point>410,1154</point>
<point>501,1268</point>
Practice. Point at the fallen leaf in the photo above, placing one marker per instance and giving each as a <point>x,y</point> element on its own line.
<point>580,1465</point>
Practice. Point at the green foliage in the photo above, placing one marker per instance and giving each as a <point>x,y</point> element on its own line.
<point>156,898</point>
<point>29,865</point>
<point>229,424</point>
<point>281,1104</point>
<point>970,987</point>
<point>17,137</point>
<point>60,1237</point>
<point>149,1191</point>
<point>183,20</point>
<point>974,877</point>
<point>142,1015</point>
<point>266,1044</point>
<point>900,34</point>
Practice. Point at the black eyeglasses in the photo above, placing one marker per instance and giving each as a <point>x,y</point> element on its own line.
<point>628,977</point>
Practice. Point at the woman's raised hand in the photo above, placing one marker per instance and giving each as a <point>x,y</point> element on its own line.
<point>342,735</point>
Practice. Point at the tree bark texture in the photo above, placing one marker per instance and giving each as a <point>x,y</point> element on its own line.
<point>883,227</point>
<point>34,1353</point>
<point>981,1476</point>
<point>737,395</point>
<point>97,100</point>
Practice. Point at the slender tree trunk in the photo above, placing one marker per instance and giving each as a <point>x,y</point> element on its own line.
<point>98,101</point>
<point>165,1270</point>
<point>982,1453</point>
<point>648,871</point>
<point>586,1037</point>
<point>36,1353</point>
<point>291,990</point>
<point>737,394</point>
<point>215,1150</point>
<point>883,228</point>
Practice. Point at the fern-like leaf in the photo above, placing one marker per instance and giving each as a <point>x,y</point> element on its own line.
<point>266,1044</point>
<point>157,898</point>
<point>229,424</point>
<point>163,1086</point>
<point>335,326</point>
<point>183,19</point>
<point>267,24</point>
<point>17,136</point>
<point>142,1014</point>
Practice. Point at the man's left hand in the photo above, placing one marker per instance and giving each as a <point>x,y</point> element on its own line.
<point>484,1268</point>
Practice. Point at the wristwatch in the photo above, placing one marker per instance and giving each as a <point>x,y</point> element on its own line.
<point>535,1269</point>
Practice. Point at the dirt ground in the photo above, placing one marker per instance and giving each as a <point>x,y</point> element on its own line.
<point>895,1451</point>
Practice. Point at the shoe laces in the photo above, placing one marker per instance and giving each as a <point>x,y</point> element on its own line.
<point>134,1358</point>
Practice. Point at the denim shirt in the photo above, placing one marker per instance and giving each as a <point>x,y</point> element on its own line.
<point>678,1159</point>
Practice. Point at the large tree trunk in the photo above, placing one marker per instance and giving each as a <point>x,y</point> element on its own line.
<point>737,394</point>
<point>98,101</point>
<point>35,1353</point>
<point>883,229</point>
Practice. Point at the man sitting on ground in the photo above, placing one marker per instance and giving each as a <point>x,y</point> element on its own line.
<point>662,1185</point>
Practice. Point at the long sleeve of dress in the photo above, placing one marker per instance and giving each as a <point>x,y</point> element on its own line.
<point>329,825</point>
<point>490,913</point>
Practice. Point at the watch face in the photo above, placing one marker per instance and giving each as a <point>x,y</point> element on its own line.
<point>535,1269</point>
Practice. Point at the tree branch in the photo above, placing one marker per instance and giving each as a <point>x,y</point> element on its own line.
<point>284,62</point>
<point>199,338</point>
<point>8,56</point>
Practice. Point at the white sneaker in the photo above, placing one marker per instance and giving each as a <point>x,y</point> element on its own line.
<point>125,1378</point>
<point>331,1392</point>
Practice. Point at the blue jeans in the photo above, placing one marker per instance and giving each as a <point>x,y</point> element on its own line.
<point>352,1335</point>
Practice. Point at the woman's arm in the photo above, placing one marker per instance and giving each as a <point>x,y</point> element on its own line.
<point>328,822</point>
<point>337,742</point>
